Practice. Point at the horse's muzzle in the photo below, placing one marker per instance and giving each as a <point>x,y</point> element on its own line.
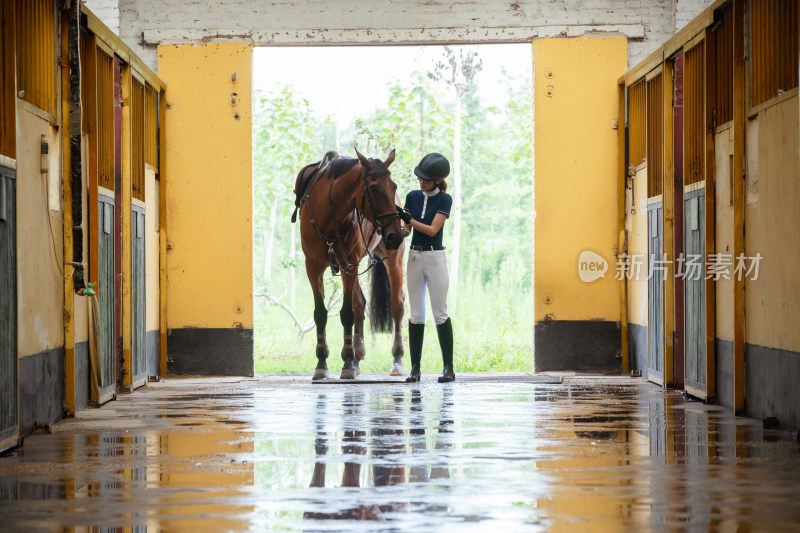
<point>392,239</point>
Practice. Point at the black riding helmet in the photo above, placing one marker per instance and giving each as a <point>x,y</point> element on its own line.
<point>433,167</point>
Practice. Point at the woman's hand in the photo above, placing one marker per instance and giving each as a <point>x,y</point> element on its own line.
<point>404,215</point>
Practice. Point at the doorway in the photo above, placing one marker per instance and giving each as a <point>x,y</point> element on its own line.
<point>408,99</point>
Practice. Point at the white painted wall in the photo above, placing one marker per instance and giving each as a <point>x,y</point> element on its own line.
<point>144,24</point>
<point>107,11</point>
<point>686,10</point>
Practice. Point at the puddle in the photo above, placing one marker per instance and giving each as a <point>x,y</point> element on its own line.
<point>476,456</point>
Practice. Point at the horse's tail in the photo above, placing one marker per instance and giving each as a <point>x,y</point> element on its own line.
<point>380,300</point>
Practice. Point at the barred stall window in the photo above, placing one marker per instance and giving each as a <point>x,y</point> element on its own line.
<point>36,53</point>
<point>723,66</point>
<point>105,120</point>
<point>637,119</point>
<point>7,98</point>
<point>151,128</point>
<point>88,84</point>
<point>694,114</point>
<point>137,138</point>
<point>773,48</point>
<point>655,135</point>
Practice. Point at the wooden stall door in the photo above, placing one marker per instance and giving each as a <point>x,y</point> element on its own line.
<point>655,225</point>
<point>105,293</point>
<point>9,425</point>
<point>655,296</point>
<point>695,295</point>
<point>698,371</point>
<point>138,344</point>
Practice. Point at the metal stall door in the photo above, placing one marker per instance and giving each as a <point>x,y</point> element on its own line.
<point>695,295</point>
<point>696,292</point>
<point>655,296</point>
<point>138,344</point>
<point>9,426</point>
<point>105,292</point>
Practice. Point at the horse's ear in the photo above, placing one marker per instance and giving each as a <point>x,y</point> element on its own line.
<point>364,161</point>
<point>390,159</point>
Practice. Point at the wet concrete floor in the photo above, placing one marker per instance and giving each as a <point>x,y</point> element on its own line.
<point>489,453</point>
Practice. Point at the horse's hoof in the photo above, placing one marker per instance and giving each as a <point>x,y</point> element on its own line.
<point>349,373</point>
<point>320,373</point>
<point>397,369</point>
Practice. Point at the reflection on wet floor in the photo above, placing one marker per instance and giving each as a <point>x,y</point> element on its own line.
<point>270,453</point>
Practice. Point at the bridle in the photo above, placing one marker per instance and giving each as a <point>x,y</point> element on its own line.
<point>377,223</point>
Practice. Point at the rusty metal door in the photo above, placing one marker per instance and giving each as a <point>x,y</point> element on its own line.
<point>138,344</point>
<point>655,296</point>
<point>105,293</point>
<point>9,425</point>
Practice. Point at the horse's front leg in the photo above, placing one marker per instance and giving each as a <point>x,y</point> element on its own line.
<point>350,369</point>
<point>315,276</point>
<point>395,270</point>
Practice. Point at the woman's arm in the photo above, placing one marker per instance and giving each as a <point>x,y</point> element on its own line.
<point>433,229</point>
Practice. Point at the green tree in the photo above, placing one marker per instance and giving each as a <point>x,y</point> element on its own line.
<point>458,71</point>
<point>414,121</point>
<point>286,136</point>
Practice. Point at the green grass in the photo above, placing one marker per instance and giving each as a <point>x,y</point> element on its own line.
<point>498,343</point>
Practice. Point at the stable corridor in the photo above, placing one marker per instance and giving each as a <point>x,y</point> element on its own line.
<point>491,452</point>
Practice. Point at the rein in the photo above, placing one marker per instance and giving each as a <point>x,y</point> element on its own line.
<point>358,214</point>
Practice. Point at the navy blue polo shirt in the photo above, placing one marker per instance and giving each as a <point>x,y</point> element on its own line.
<point>424,209</point>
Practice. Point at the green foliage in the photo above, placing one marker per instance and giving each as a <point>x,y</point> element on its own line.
<point>416,120</point>
<point>286,136</point>
<point>483,342</point>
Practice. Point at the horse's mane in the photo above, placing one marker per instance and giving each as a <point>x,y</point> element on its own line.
<point>342,165</point>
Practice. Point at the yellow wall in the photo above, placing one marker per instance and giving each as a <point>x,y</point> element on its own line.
<point>575,162</point>
<point>772,227</point>
<point>637,247</point>
<point>152,302</point>
<point>723,150</point>
<point>209,185</point>
<point>40,291</point>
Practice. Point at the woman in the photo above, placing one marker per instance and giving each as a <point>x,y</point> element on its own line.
<point>425,211</point>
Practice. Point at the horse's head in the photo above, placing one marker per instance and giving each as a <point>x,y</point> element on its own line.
<point>378,199</point>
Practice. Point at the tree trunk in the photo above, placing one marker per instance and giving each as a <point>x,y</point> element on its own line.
<point>269,240</point>
<point>422,125</point>
<point>456,212</point>
<point>292,255</point>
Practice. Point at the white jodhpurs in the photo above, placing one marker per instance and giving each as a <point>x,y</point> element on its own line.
<point>427,270</point>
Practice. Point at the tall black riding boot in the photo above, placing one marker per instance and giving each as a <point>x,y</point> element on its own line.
<point>416,333</point>
<point>445,332</point>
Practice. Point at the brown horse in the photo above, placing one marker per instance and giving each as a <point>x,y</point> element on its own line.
<point>346,206</point>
